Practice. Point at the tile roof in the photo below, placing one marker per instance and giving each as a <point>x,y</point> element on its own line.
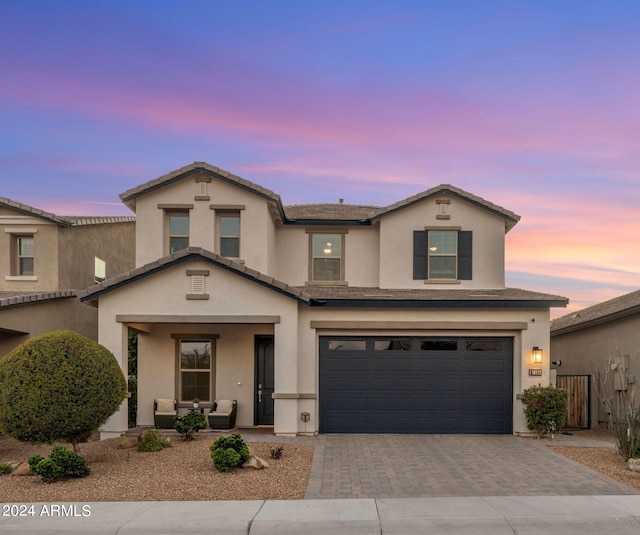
<point>503,295</point>
<point>610,310</point>
<point>341,212</point>
<point>8,298</point>
<point>93,292</point>
<point>64,221</point>
<point>30,210</point>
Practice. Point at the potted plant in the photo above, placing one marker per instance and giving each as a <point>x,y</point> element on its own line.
<point>196,403</point>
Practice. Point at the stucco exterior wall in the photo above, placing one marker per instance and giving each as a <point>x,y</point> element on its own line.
<point>39,318</point>
<point>45,257</point>
<point>396,243</point>
<point>587,352</point>
<point>256,223</point>
<point>361,254</point>
<point>114,243</point>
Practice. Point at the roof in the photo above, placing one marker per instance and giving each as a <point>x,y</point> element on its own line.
<point>93,292</point>
<point>316,213</point>
<point>64,221</point>
<point>360,296</point>
<point>610,310</point>
<point>339,296</point>
<point>8,299</point>
<point>129,197</point>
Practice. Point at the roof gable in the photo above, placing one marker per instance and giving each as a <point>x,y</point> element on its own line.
<point>129,197</point>
<point>510,217</point>
<point>92,293</point>
<point>35,212</point>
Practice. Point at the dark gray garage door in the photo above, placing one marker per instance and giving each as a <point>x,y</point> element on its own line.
<point>415,385</point>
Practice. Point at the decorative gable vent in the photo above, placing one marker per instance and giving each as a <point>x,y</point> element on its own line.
<point>198,283</point>
<point>202,188</point>
<point>443,209</point>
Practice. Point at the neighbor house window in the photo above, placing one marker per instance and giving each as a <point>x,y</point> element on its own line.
<point>100,270</point>
<point>178,232</point>
<point>24,247</point>
<point>327,259</point>
<point>196,370</point>
<point>442,255</point>
<point>229,230</point>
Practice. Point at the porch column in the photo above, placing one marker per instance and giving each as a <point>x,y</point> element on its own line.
<point>115,339</point>
<point>286,377</point>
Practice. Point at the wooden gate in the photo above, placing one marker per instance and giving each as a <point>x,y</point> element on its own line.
<point>578,402</point>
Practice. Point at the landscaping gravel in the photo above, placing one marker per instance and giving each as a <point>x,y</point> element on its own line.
<point>184,471</point>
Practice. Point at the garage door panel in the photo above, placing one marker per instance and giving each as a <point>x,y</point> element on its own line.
<point>439,386</point>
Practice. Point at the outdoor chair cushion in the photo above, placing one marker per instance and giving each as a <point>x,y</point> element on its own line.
<point>224,406</point>
<point>165,406</point>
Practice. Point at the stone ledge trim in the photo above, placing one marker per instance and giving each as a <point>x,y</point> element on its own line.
<point>197,297</point>
<point>172,318</point>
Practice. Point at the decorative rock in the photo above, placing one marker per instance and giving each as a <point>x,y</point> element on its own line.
<point>634,465</point>
<point>22,470</point>
<point>255,462</point>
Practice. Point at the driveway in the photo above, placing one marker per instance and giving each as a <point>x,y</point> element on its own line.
<point>403,466</point>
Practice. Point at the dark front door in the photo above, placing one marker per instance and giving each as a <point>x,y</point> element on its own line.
<point>264,380</point>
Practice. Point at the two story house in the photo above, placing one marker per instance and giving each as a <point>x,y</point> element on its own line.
<point>324,318</point>
<point>45,259</point>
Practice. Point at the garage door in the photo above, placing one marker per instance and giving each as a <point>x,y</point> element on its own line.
<point>416,385</point>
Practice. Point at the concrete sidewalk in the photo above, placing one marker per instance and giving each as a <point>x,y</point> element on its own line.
<point>477,515</point>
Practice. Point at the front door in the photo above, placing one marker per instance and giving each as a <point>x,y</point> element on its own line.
<point>264,380</point>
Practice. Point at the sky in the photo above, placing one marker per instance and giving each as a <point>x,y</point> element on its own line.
<point>532,105</point>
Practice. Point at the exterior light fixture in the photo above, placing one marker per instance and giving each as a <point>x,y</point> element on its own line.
<point>556,362</point>
<point>537,355</point>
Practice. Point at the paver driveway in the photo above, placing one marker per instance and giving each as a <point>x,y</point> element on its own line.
<point>400,466</point>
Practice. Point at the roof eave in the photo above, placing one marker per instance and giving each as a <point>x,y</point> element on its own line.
<point>432,303</point>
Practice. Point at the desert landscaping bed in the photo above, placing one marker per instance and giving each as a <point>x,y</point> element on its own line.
<point>184,471</point>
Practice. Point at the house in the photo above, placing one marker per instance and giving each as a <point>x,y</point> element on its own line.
<point>585,341</point>
<point>45,259</point>
<point>324,318</point>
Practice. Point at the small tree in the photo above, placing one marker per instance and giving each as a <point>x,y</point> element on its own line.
<point>58,386</point>
<point>189,424</point>
<point>618,398</point>
<point>545,408</point>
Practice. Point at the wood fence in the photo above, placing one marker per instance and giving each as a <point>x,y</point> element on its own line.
<point>579,401</point>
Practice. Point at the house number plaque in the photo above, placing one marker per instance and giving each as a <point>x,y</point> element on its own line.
<point>535,373</point>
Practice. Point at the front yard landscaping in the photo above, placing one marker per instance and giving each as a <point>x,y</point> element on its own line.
<point>184,472</point>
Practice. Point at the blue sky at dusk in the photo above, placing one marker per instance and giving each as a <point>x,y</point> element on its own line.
<point>534,106</point>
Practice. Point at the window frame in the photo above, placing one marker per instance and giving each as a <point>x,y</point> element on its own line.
<point>177,213</point>
<point>197,338</point>
<point>464,255</point>
<point>433,254</point>
<point>220,214</point>
<point>19,256</point>
<point>312,272</point>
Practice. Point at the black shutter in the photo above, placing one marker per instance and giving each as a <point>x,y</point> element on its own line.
<point>465,246</point>
<point>419,254</point>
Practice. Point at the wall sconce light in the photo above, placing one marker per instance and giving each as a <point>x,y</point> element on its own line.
<point>537,355</point>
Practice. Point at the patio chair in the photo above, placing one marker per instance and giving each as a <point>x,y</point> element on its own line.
<point>223,414</point>
<point>164,413</point>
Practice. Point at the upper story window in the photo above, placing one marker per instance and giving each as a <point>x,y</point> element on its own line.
<point>442,255</point>
<point>327,258</point>
<point>229,225</point>
<point>178,231</point>
<point>24,255</point>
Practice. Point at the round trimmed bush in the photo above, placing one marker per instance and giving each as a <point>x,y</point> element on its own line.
<point>58,386</point>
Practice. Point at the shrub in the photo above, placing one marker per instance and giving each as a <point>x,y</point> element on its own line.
<point>152,441</point>
<point>545,408</point>
<point>58,386</point>
<point>61,463</point>
<point>5,469</point>
<point>189,424</point>
<point>276,452</point>
<point>229,452</point>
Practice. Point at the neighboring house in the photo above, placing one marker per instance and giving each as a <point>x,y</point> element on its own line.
<point>586,340</point>
<point>45,259</point>
<point>324,318</point>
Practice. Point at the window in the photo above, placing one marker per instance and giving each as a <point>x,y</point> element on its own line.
<point>229,225</point>
<point>442,255</point>
<point>196,370</point>
<point>442,252</point>
<point>100,270</point>
<point>326,257</point>
<point>24,257</point>
<point>178,232</point>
